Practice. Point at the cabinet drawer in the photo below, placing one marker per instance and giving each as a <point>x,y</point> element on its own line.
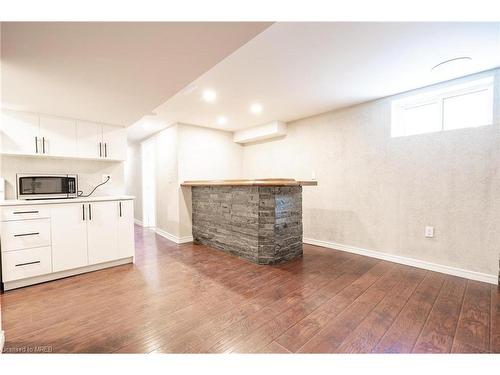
<point>25,234</point>
<point>22,264</point>
<point>24,212</point>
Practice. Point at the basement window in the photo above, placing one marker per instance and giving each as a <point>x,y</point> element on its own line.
<point>464,105</point>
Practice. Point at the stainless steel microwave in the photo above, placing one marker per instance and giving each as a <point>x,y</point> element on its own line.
<point>47,186</point>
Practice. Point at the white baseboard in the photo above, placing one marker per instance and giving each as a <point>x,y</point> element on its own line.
<point>2,340</point>
<point>173,238</point>
<point>138,222</point>
<point>472,275</point>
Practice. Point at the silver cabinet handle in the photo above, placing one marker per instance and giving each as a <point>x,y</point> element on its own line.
<point>25,212</point>
<point>43,145</point>
<point>90,211</point>
<point>36,144</point>
<point>83,211</point>
<point>120,209</point>
<point>25,264</point>
<point>27,234</point>
<point>100,149</point>
<point>105,149</point>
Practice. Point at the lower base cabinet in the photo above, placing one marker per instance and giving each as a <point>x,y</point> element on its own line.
<point>102,231</point>
<point>70,236</point>
<point>91,233</point>
<point>126,243</point>
<point>21,264</point>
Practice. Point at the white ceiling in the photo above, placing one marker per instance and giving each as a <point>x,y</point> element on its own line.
<point>299,69</point>
<point>109,72</point>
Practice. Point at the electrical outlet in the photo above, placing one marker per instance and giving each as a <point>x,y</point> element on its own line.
<point>105,177</point>
<point>429,232</point>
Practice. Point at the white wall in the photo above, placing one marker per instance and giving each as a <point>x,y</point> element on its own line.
<point>207,154</point>
<point>378,193</point>
<point>187,152</point>
<point>133,177</point>
<point>204,154</point>
<point>89,172</point>
<point>167,183</point>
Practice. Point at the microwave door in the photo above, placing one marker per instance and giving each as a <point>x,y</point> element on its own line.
<point>43,187</point>
<point>26,186</point>
<point>49,185</point>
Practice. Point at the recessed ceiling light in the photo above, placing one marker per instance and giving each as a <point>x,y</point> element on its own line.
<point>209,95</point>
<point>221,120</point>
<point>457,62</point>
<point>256,108</point>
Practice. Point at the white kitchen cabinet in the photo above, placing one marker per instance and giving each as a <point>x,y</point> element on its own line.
<point>26,263</point>
<point>25,234</point>
<point>47,240</point>
<point>32,134</point>
<point>89,140</point>
<point>101,141</point>
<point>20,133</point>
<point>114,140</point>
<point>58,136</point>
<point>25,212</point>
<point>102,232</point>
<point>69,236</point>
<point>126,245</point>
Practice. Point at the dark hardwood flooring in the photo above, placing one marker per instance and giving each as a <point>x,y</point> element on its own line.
<point>190,298</point>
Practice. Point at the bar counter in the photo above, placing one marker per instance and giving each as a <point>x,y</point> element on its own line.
<point>258,220</point>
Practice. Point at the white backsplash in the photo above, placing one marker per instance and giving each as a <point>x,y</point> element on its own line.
<point>89,173</point>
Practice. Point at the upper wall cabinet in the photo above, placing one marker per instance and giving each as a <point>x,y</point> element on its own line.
<point>41,135</point>
<point>114,140</point>
<point>89,136</point>
<point>58,136</point>
<point>101,141</point>
<point>19,132</point>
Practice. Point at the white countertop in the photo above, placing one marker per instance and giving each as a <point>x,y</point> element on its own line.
<point>16,202</point>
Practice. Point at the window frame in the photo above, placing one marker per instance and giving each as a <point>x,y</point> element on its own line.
<point>398,106</point>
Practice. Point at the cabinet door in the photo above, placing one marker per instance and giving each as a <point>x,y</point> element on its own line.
<point>126,246</point>
<point>115,142</point>
<point>58,136</point>
<point>19,133</point>
<point>102,232</point>
<point>89,140</point>
<point>69,236</point>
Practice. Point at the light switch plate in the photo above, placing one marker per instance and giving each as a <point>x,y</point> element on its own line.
<point>429,232</point>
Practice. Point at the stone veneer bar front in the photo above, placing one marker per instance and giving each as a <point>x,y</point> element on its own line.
<point>258,220</point>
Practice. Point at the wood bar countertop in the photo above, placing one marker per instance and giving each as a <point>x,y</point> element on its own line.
<point>259,182</point>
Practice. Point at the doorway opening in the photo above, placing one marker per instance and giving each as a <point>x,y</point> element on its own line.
<point>148,183</point>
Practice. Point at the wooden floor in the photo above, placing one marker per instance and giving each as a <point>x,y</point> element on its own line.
<point>188,298</point>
